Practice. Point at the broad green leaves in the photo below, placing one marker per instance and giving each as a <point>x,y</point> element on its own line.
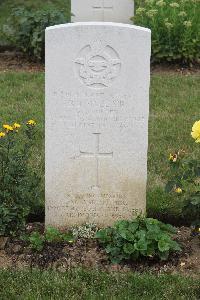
<point>139,237</point>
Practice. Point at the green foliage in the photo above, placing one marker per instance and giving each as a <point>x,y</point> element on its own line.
<point>141,237</point>
<point>52,235</point>
<point>12,218</point>
<point>36,241</point>
<point>26,29</point>
<point>19,184</point>
<point>184,181</point>
<point>175,28</point>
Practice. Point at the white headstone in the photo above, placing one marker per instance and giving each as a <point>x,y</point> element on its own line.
<point>102,10</point>
<point>97,104</point>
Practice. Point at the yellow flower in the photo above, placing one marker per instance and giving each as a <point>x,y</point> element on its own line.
<point>2,134</point>
<point>173,157</point>
<point>160,3</point>
<point>196,131</point>
<point>7,127</point>
<point>187,24</point>
<point>16,126</point>
<point>152,12</point>
<point>31,122</point>
<point>174,4</point>
<point>168,25</point>
<point>182,14</point>
<point>178,190</point>
<point>140,10</point>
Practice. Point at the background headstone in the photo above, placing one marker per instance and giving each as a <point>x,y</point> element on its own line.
<point>102,10</point>
<point>97,104</point>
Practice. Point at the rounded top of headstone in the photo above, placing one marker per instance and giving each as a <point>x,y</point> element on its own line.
<point>103,24</point>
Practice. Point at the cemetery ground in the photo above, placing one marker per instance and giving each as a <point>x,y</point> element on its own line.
<point>173,108</point>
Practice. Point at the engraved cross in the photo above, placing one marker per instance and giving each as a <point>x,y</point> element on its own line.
<point>96,154</point>
<point>103,5</point>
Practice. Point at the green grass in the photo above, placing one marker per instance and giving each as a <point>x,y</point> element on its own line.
<point>86,285</point>
<point>174,106</point>
<point>6,7</point>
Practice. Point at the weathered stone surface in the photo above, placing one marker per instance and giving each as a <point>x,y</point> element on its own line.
<point>102,10</point>
<point>97,103</point>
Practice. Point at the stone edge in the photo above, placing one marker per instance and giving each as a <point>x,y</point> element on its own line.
<point>110,24</point>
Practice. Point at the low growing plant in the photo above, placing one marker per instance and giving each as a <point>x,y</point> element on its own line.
<point>185,181</point>
<point>26,29</point>
<point>87,231</point>
<point>18,181</point>
<point>140,237</point>
<point>175,28</point>
<point>51,235</point>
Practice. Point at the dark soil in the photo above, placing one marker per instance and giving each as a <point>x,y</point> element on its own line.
<point>177,69</point>
<point>15,61</point>
<point>89,254</point>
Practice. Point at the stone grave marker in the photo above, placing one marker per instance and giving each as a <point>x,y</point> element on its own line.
<point>97,105</point>
<point>102,10</point>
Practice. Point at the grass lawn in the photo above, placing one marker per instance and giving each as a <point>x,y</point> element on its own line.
<point>6,7</point>
<point>174,106</point>
<point>80,284</point>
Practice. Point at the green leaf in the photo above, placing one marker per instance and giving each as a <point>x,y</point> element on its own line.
<point>129,248</point>
<point>141,245</point>
<point>163,245</point>
<point>167,227</point>
<point>103,235</point>
<point>141,234</point>
<point>133,226</point>
<point>164,255</point>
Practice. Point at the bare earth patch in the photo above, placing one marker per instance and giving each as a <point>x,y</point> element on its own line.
<point>12,61</point>
<point>88,253</point>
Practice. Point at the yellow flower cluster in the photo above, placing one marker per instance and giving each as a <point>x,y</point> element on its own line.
<point>31,123</point>
<point>187,23</point>
<point>174,5</point>
<point>151,13</point>
<point>173,157</point>
<point>168,25</point>
<point>160,3</point>
<point>8,128</point>
<point>196,131</point>
<point>2,134</point>
<point>14,128</point>
<point>182,14</point>
<point>141,11</point>
<point>178,190</point>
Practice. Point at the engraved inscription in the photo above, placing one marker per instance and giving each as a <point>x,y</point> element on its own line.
<point>98,65</point>
<point>97,154</point>
<point>102,6</point>
<point>97,111</point>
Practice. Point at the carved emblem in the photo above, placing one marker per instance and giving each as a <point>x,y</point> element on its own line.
<point>98,65</point>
